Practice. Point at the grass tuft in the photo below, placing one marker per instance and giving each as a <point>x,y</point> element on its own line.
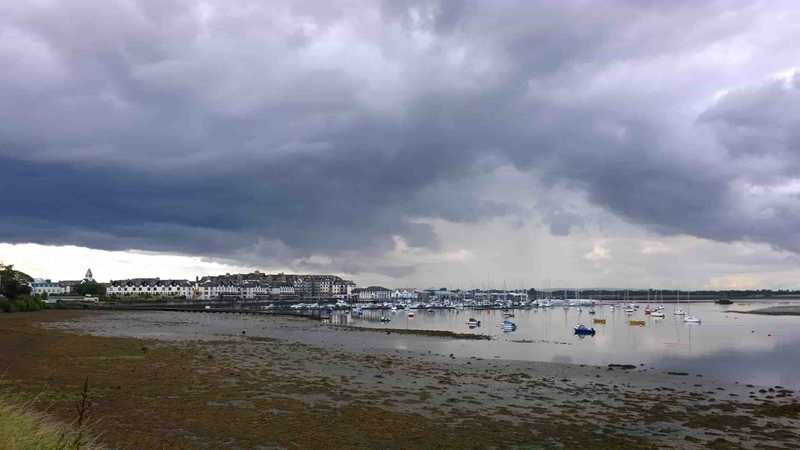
<point>23,428</point>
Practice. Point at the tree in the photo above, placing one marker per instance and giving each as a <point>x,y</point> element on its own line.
<point>14,283</point>
<point>92,288</point>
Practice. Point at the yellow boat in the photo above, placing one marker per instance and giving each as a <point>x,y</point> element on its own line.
<point>638,323</point>
<point>599,320</point>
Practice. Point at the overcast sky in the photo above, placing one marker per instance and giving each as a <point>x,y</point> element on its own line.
<point>404,143</point>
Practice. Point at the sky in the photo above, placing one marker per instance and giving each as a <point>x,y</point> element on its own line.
<point>404,143</point>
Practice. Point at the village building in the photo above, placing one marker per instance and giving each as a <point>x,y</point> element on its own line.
<point>373,293</point>
<point>150,287</point>
<point>46,287</point>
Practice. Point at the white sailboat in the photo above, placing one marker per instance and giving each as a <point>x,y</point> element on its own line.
<point>689,317</point>
<point>678,310</point>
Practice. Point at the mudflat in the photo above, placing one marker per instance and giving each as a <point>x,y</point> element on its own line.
<point>788,310</point>
<point>182,380</point>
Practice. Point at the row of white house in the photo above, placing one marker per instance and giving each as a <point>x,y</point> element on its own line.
<point>378,293</point>
<point>150,287</point>
<point>247,286</point>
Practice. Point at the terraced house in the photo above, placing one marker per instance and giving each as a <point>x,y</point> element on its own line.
<point>154,287</point>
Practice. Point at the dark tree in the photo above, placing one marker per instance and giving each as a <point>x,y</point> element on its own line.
<point>14,283</point>
<point>92,288</point>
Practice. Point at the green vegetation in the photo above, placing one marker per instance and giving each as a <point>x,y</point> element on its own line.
<point>22,304</point>
<point>14,283</point>
<point>15,291</point>
<point>91,288</point>
<point>21,428</point>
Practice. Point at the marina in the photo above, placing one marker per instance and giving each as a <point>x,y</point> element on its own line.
<point>713,341</point>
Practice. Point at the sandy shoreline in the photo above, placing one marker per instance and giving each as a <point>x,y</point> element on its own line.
<point>438,400</point>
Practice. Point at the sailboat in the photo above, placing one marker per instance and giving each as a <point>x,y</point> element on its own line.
<point>658,312</point>
<point>678,310</point>
<point>690,318</point>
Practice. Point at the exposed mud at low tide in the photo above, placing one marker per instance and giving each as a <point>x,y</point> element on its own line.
<point>189,381</point>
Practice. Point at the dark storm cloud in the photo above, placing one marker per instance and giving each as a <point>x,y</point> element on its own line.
<point>273,132</point>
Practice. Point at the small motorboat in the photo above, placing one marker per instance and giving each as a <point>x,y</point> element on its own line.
<point>648,311</point>
<point>509,326</point>
<point>657,314</point>
<point>584,331</point>
<point>601,321</point>
<point>592,311</point>
<point>679,312</point>
<point>385,319</point>
<point>691,319</point>
<point>473,322</point>
<point>411,314</point>
<point>636,323</point>
<point>629,310</point>
<point>508,314</point>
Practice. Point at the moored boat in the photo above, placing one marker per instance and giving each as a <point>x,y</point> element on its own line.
<point>691,319</point>
<point>509,325</point>
<point>583,330</point>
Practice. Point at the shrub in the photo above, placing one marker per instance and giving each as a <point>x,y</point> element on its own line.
<point>23,303</point>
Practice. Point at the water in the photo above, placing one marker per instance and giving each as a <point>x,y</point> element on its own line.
<point>748,348</point>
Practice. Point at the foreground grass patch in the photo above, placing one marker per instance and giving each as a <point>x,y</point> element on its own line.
<point>21,428</point>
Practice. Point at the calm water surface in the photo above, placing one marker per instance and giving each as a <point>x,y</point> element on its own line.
<point>763,350</point>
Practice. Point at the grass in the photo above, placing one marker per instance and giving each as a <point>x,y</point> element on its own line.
<point>23,428</point>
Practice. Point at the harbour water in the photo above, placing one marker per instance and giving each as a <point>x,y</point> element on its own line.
<point>734,347</point>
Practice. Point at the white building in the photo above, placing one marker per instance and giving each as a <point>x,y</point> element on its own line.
<point>253,290</point>
<point>152,287</point>
<point>217,290</point>
<point>283,289</point>
<point>373,293</point>
<point>404,294</point>
<point>40,286</point>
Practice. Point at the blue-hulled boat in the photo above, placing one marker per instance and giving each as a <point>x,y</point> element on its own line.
<point>509,325</point>
<point>584,331</point>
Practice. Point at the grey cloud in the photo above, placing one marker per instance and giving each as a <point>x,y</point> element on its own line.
<point>274,132</point>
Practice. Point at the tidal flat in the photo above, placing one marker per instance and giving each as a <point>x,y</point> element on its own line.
<point>196,380</point>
